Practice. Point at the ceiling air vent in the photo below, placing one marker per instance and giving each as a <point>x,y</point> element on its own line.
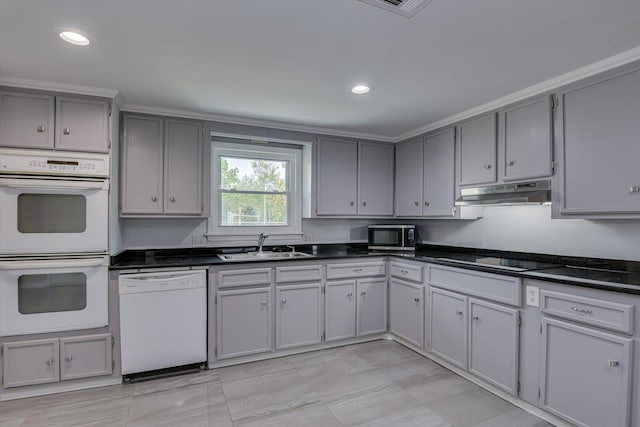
<point>406,8</point>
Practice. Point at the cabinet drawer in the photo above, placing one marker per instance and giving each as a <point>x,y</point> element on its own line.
<point>254,276</point>
<point>406,271</point>
<point>86,356</point>
<point>300,273</point>
<point>604,314</point>
<point>496,287</point>
<point>30,362</point>
<point>361,269</point>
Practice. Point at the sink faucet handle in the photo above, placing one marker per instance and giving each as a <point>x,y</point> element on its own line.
<point>293,248</point>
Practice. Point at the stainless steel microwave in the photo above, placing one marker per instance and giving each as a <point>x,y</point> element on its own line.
<point>396,237</point>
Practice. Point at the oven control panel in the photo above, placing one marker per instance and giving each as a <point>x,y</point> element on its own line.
<point>53,163</point>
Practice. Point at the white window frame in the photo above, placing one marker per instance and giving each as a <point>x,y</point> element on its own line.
<point>264,152</point>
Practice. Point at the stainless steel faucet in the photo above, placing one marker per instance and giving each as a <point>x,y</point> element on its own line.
<point>261,238</point>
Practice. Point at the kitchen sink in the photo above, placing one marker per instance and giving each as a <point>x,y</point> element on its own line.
<point>264,255</point>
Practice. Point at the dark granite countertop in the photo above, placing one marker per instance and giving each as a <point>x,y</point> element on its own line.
<point>612,275</point>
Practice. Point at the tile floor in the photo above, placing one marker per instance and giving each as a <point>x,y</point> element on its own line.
<point>380,383</point>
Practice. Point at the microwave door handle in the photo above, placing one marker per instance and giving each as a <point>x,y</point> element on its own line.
<point>35,265</point>
<point>53,185</point>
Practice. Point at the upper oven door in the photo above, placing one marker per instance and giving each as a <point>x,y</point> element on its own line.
<point>48,216</point>
<point>51,295</point>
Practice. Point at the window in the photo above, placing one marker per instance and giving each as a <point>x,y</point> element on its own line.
<point>255,188</point>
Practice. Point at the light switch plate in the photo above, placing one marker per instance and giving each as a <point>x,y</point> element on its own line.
<point>533,296</point>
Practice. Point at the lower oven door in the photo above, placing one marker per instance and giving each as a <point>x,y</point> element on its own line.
<point>47,216</point>
<point>38,296</point>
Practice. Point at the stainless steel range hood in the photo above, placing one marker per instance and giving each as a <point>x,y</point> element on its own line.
<point>532,192</point>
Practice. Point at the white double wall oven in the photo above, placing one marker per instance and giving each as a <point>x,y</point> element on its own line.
<point>54,247</point>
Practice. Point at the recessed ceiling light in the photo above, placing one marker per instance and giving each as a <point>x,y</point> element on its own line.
<point>74,38</point>
<point>361,89</point>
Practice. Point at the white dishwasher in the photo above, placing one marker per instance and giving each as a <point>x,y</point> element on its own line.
<point>163,320</point>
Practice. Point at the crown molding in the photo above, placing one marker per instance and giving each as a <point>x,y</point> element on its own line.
<point>57,87</point>
<point>237,120</point>
<point>606,64</point>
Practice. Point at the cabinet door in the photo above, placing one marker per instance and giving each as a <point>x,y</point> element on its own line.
<point>337,178</point>
<point>371,310</point>
<point>439,177</point>
<point>183,168</point>
<point>30,362</point>
<point>406,311</point>
<point>86,356</point>
<point>586,374</point>
<point>244,322</point>
<point>493,344</point>
<point>449,326</point>
<point>599,151</point>
<point>527,139</point>
<point>477,151</point>
<point>82,124</point>
<point>26,120</point>
<point>298,315</point>
<point>375,179</point>
<point>141,185</point>
<point>409,164</point>
<point>340,310</point>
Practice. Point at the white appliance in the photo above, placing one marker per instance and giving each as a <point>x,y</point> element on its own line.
<point>53,294</point>
<point>53,202</point>
<point>163,320</point>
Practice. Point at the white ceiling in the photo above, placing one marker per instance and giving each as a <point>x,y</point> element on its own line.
<point>294,61</point>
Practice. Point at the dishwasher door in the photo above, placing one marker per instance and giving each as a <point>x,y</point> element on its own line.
<point>163,320</point>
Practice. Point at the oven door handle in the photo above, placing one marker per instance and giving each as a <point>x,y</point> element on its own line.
<point>66,263</point>
<point>54,184</point>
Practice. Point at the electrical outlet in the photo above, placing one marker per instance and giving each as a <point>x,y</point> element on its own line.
<point>533,296</point>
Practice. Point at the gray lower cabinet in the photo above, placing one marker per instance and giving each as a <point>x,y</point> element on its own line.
<point>371,306</point>
<point>477,151</point>
<point>244,322</point>
<point>298,315</point>
<point>340,310</point>
<point>162,167</point>
<point>586,374</point>
<point>449,326</point>
<point>406,311</point>
<point>35,120</point>
<point>493,344</point>
<point>598,148</point>
<point>50,360</point>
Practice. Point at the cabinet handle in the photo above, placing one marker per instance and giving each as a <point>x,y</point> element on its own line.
<point>351,204</point>
<point>41,129</point>
<point>614,363</point>
<point>350,294</point>
<point>363,293</point>
<point>172,199</point>
<point>154,199</point>
<point>364,203</point>
<point>476,318</point>
<point>357,270</point>
<point>68,358</point>
<point>459,312</point>
<point>487,167</point>
<point>50,362</point>
<point>416,299</point>
<point>634,189</point>
<point>416,203</point>
<point>511,162</point>
<point>66,131</point>
<point>581,310</point>
<point>264,303</point>
<point>403,271</point>
<point>426,203</point>
<point>284,301</point>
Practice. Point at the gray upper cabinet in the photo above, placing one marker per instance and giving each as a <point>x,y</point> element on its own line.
<point>298,315</point>
<point>586,374</point>
<point>493,344</point>
<point>183,167</point>
<point>527,139</point>
<point>33,120</point>
<point>337,177</point>
<point>406,311</point>
<point>141,168</point>
<point>449,326</point>
<point>477,145</point>
<point>26,120</point>
<point>30,362</point>
<point>439,176</point>
<point>409,178</point>
<point>598,146</point>
<point>162,167</point>
<point>375,179</point>
<point>354,178</point>
<point>82,125</point>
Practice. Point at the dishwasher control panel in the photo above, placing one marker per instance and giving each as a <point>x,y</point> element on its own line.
<point>162,281</point>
